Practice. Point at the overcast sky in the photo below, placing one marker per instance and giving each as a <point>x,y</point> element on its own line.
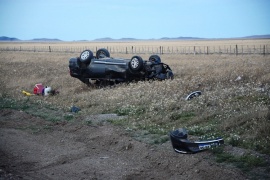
<point>142,19</point>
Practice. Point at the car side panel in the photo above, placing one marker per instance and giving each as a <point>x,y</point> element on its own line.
<point>113,68</point>
<point>95,70</point>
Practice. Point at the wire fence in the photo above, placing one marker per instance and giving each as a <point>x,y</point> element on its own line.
<point>194,50</point>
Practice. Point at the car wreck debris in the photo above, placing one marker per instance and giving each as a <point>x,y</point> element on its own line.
<point>193,94</point>
<point>182,145</point>
<point>74,109</point>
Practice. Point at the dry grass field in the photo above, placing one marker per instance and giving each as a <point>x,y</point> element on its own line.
<point>235,100</point>
<point>175,43</point>
<point>245,46</point>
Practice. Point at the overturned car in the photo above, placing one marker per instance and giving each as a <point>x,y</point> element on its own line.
<point>104,70</point>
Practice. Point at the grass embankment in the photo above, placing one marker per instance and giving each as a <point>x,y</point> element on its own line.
<point>235,100</point>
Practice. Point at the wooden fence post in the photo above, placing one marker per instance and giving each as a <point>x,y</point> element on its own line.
<point>264,50</point>
<point>236,50</point>
<point>50,49</point>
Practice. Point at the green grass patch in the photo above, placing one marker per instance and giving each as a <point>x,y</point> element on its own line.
<point>183,117</point>
<point>47,115</point>
<point>38,109</point>
<point>256,98</point>
<point>69,117</point>
<point>161,140</point>
<point>202,130</point>
<point>130,110</point>
<point>7,103</point>
<point>118,122</point>
<point>245,162</point>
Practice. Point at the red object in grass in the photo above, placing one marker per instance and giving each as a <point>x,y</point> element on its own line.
<point>38,89</point>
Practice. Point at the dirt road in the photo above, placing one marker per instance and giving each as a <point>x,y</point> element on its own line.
<point>32,148</point>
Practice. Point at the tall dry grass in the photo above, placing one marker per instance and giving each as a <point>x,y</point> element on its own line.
<point>235,109</point>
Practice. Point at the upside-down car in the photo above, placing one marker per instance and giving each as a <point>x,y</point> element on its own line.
<point>105,70</point>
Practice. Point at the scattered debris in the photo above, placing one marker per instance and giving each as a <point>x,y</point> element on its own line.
<point>238,78</point>
<point>39,89</point>
<point>74,109</point>
<point>193,94</point>
<point>181,144</point>
<point>46,91</point>
<point>49,91</point>
<point>27,93</point>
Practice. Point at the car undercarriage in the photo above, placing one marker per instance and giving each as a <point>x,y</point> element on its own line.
<point>105,70</point>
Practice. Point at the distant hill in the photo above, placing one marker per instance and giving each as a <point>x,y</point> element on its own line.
<point>4,38</point>
<point>45,39</point>
<point>258,37</point>
<point>134,39</point>
<point>180,38</point>
<point>108,39</point>
<point>104,39</point>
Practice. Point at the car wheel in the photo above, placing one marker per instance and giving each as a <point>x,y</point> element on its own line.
<point>136,63</point>
<point>86,56</point>
<point>193,94</point>
<point>102,53</point>
<point>155,58</point>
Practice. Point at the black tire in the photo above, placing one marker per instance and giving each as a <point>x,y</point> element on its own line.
<point>102,53</point>
<point>155,58</point>
<point>136,63</point>
<point>86,56</point>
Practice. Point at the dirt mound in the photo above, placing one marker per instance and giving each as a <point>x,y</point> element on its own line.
<point>33,148</point>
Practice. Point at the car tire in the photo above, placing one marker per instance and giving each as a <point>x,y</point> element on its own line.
<point>86,56</point>
<point>193,94</point>
<point>102,53</point>
<point>155,58</point>
<point>136,63</point>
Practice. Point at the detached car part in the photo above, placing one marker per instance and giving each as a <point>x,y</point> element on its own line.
<point>193,94</point>
<point>104,69</point>
<point>181,144</point>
